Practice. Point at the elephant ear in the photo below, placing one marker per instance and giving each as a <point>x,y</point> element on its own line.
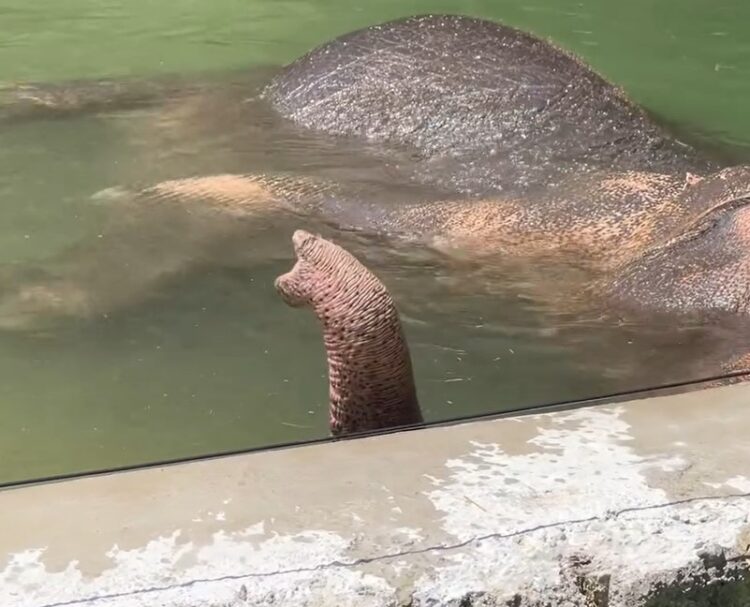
<point>704,270</point>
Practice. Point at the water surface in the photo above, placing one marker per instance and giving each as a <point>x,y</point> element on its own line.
<point>217,362</point>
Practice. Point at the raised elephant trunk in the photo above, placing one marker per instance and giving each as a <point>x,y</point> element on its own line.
<point>371,382</point>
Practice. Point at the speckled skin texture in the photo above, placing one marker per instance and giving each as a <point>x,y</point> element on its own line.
<point>371,382</point>
<point>703,266</point>
<point>647,241</point>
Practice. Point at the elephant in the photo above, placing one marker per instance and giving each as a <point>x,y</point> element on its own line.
<point>495,148</point>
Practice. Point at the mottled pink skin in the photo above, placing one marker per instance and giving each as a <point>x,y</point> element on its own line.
<point>371,382</point>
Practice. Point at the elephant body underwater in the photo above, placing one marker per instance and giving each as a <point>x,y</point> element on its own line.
<point>513,149</point>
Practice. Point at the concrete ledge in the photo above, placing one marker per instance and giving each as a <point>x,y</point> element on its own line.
<point>644,502</point>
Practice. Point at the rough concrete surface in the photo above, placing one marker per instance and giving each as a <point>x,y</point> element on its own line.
<point>638,503</point>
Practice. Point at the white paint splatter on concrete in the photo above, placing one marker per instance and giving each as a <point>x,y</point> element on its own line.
<point>584,493</point>
<point>577,472</point>
<point>157,566</point>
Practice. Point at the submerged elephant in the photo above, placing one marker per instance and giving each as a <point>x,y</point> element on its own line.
<point>513,149</point>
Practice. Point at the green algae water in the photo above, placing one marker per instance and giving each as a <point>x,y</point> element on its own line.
<point>216,362</point>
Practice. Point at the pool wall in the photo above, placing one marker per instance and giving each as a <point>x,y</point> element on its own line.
<point>633,503</point>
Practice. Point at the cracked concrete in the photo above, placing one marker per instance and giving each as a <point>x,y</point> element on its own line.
<point>609,506</point>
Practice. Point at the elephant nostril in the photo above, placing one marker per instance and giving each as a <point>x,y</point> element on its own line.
<point>287,286</point>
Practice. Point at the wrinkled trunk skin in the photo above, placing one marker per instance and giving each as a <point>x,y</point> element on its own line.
<point>371,381</point>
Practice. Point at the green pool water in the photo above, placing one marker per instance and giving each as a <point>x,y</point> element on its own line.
<point>216,362</point>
